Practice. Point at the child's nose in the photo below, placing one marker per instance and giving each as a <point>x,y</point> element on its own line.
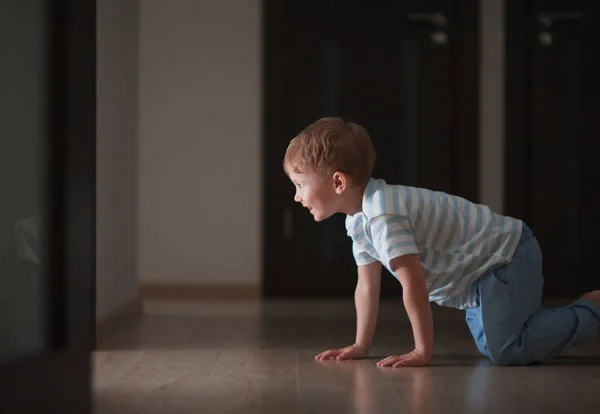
<point>297,197</point>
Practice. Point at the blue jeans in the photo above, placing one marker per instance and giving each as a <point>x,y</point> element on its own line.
<point>508,325</point>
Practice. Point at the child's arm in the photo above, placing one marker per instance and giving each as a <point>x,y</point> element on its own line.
<point>416,301</point>
<point>366,297</point>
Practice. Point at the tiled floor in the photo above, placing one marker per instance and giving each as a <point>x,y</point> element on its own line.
<point>251,357</point>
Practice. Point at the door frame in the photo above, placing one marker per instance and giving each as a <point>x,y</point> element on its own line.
<point>519,172</point>
<point>517,110</point>
<point>59,380</point>
<point>466,153</point>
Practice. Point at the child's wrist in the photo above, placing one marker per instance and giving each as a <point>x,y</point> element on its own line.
<point>427,353</point>
<point>362,344</point>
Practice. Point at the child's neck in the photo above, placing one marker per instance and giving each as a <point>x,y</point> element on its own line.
<point>354,202</point>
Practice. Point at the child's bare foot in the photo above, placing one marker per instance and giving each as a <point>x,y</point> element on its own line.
<point>594,296</point>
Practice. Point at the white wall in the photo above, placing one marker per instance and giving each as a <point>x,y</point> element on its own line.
<point>200,137</point>
<point>117,114</point>
<point>200,141</point>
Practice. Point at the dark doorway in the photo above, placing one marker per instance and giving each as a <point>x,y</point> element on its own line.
<point>408,72</point>
<point>552,135</point>
<point>47,213</point>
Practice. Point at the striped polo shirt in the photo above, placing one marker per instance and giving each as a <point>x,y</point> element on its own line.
<point>457,240</point>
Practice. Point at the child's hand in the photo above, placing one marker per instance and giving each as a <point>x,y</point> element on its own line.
<point>350,352</point>
<point>412,359</point>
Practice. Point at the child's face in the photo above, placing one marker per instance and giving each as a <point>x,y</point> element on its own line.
<point>319,195</point>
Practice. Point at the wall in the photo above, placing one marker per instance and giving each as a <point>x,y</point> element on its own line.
<point>200,137</point>
<point>117,114</point>
<point>200,112</point>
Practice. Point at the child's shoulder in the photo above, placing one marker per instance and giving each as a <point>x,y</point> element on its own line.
<point>377,186</point>
<point>381,197</point>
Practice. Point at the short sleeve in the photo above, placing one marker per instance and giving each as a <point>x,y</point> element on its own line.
<point>392,237</point>
<point>362,249</point>
<point>361,255</point>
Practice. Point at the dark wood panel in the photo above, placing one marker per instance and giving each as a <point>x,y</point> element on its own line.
<point>416,96</point>
<point>58,379</point>
<point>552,106</point>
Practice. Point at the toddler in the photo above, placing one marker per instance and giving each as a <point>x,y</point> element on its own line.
<point>442,248</point>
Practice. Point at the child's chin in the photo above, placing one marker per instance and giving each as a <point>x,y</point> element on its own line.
<point>319,217</point>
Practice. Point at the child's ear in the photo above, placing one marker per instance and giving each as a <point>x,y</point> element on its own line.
<point>340,182</point>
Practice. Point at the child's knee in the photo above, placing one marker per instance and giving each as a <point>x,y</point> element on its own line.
<point>500,357</point>
<point>508,355</point>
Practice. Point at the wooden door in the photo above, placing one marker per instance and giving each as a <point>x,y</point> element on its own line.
<point>553,107</point>
<point>47,212</point>
<point>405,70</point>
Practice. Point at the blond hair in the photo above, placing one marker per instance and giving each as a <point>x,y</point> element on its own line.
<point>330,145</point>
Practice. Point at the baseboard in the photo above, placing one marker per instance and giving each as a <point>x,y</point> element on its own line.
<point>109,323</point>
<point>200,291</point>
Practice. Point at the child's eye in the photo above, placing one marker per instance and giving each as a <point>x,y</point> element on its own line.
<point>299,185</point>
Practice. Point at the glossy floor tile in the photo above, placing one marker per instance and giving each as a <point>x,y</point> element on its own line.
<point>258,357</point>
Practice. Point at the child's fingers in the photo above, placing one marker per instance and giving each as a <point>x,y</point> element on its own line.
<point>391,360</point>
<point>409,362</point>
<point>327,354</point>
<point>383,362</point>
<point>321,355</point>
<point>343,356</point>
